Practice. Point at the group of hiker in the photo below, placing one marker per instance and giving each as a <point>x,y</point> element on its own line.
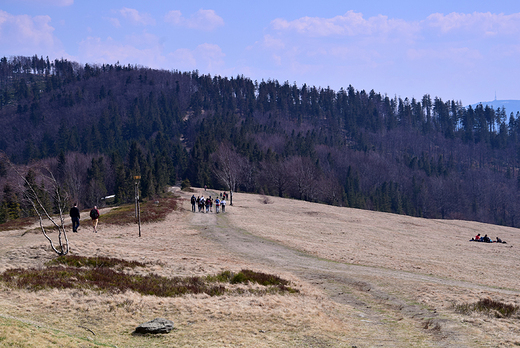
<point>486,239</point>
<point>74,215</point>
<point>202,203</point>
<point>206,204</point>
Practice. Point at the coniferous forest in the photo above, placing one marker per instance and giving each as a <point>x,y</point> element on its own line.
<point>95,127</point>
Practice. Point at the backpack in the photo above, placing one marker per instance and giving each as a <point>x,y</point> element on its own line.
<point>94,213</point>
<point>192,199</point>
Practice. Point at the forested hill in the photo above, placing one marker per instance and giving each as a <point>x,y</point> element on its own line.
<point>96,126</point>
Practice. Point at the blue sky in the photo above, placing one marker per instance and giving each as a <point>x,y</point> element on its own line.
<point>455,50</point>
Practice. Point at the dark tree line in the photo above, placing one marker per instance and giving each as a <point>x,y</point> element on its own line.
<point>97,126</point>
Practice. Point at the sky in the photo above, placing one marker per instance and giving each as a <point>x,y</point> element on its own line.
<point>461,50</point>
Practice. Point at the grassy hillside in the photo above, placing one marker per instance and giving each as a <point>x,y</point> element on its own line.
<point>364,279</point>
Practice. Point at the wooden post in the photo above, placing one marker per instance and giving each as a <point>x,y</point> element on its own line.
<point>137,206</point>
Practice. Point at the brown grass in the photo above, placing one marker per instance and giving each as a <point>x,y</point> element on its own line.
<point>150,211</point>
<point>488,306</point>
<point>94,262</point>
<point>17,224</point>
<point>97,273</point>
<point>395,267</point>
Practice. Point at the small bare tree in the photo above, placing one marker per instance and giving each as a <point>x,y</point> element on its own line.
<point>60,203</point>
<point>228,166</point>
<point>30,192</point>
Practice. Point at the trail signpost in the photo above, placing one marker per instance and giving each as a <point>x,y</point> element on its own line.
<point>137,207</point>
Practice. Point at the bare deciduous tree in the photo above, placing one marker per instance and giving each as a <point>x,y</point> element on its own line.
<point>276,177</point>
<point>228,166</point>
<point>304,176</point>
<point>62,247</point>
<point>31,194</point>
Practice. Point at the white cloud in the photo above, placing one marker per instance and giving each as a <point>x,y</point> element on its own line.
<point>437,54</point>
<point>380,41</point>
<point>487,24</point>
<point>349,24</point>
<point>271,42</point>
<point>206,20</point>
<point>135,17</point>
<point>26,35</point>
<point>115,22</point>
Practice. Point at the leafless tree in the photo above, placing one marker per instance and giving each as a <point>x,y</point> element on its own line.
<point>275,177</point>
<point>228,166</point>
<point>34,199</point>
<point>304,176</point>
<point>329,190</point>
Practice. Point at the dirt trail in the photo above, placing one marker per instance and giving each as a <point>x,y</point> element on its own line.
<point>360,285</point>
<point>368,289</point>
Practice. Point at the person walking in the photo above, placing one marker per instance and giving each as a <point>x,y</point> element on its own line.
<point>223,204</point>
<point>94,215</point>
<point>193,201</point>
<point>207,203</point>
<point>74,216</point>
<point>217,205</point>
<point>201,204</point>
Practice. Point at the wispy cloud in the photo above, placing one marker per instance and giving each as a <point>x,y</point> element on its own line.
<point>350,24</point>
<point>136,17</point>
<point>115,22</point>
<point>271,42</point>
<point>380,38</point>
<point>487,24</point>
<point>435,54</point>
<point>206,20</point>
<point>23,34</point>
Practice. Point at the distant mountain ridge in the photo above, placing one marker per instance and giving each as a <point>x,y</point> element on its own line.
<point>510,105</point>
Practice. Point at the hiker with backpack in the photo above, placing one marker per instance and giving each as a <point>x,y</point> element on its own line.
<point>201,204</point>
<point>217,205</point>
<point>94,215</point>
<point>208,203</point>
<point>193,201</point>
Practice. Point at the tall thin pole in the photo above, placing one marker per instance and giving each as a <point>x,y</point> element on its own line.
<point>136,195</point>
<point>137,206</point>
<point>139,216</point>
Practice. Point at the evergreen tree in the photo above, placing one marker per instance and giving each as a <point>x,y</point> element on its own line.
<point>10,207</point>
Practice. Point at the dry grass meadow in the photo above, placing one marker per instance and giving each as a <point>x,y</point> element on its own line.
<point>365,279</point>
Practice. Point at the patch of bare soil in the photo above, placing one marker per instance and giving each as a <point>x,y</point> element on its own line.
<point>366,279</point>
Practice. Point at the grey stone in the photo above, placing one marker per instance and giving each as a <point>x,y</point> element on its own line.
<point>158,325</point>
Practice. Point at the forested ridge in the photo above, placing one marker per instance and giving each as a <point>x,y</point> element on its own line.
<point>97,126</point>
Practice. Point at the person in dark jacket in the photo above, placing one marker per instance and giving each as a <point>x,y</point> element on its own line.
<point>94,215</point>
<point>74,216</point>
<point>193,201</point>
